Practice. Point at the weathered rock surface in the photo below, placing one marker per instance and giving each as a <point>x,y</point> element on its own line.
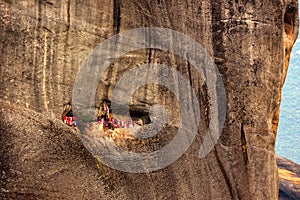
<point>42,158</point>
<point>43,44</point>
<point>289,179</point>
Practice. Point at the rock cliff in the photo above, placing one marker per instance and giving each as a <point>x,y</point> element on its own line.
<point>289,179</point>
<point>43,44</point>
<point>42,158</point>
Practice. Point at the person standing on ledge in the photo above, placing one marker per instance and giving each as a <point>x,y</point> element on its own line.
<point>67,115</point>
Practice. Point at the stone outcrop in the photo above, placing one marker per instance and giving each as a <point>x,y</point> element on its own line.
<point>42,158</point>
<point>289,179</point>
<point>43,44</point>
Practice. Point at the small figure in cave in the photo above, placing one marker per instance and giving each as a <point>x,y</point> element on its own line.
<point>103,111</point>
<point>67,115</point>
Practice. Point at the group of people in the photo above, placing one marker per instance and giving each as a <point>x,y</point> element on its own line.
<point>103,114</point>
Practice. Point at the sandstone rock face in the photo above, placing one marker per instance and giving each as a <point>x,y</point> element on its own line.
<point>44,42</point>
<point>41,159</point>
<point>289,179</point>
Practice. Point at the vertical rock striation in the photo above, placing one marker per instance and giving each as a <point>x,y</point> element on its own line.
<point>44,42</point>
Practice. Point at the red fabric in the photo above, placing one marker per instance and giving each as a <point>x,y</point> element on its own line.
<point>71,121</point>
